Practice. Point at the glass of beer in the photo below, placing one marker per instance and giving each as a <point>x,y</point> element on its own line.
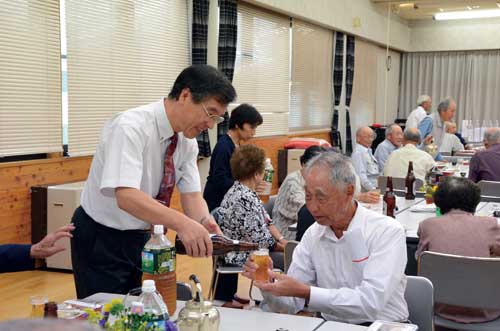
<point>261,258</point>
<point>37,305</point>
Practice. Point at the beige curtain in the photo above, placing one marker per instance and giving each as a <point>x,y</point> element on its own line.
<point>30,78</point>
<point>261,73</point>
<point>472,78</point>
<point>311,80</point>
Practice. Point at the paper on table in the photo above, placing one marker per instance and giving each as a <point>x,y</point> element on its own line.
<point>430,208</point>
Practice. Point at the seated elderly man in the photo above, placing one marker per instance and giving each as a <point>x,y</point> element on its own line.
<point>451,143</point>
<point>291,195</point>
<point>393,140</point>
<point>363,160</point>
<point>397,163</point>
<point>485,165</point>
<point>350,264</point>
<point>459,232</point>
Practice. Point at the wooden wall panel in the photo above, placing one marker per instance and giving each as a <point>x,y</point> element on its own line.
<point>16,179</point>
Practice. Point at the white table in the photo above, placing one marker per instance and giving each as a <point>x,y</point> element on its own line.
<point>488,209</point>
<point>401,203</point>
<point>410,220</point>
<point>336,326</point>
<point>242,320</point>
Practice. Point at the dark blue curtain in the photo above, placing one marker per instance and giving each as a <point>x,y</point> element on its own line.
<point>337,87</point>
<point>228,31</point>
<point>348,83</point>
<point>199,36</point>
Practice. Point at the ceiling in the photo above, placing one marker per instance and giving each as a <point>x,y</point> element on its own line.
<point>425,9</point>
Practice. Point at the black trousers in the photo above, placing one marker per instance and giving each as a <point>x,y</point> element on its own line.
<point>105,259</point>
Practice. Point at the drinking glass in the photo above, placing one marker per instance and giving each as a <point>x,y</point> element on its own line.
<point>261,258</point>
<point>37,305</point>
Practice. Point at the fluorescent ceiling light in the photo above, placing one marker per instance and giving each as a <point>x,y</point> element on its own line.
<point>460,15</point>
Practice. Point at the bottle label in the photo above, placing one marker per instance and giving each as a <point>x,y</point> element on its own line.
<point>384,208</point>
<point>268,175</point>
<point>158,325</point>
<point>158,261</point>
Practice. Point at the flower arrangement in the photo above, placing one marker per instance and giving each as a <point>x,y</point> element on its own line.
<point>429,190</point>
<point>116,317</point>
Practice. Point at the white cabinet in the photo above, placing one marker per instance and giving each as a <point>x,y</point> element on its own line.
<point>62,200</point>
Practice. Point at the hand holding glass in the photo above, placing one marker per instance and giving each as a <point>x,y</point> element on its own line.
<point>261,259</point>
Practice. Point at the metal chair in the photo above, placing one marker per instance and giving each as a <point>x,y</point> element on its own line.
<point>489,188</point>
<point>463,281</point>
<point>289,248</point>
<point>419,297</point>
<point>397,183</point>
<point>269,205</point>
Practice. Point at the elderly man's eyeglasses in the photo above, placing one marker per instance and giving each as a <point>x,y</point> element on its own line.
<point>216,118</point>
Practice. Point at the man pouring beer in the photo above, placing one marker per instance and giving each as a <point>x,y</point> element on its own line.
<point>142,155</point>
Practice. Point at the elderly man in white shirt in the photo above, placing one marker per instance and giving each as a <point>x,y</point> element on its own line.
<point>450,143</point>
<point>397,163</point>
<point>349,265</point>
<point>393,140</point>
<point>142,155</point>
<point>423,109</point>
<point>363,160</point>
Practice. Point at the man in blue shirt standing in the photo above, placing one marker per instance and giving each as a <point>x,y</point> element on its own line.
<point>432,126</point>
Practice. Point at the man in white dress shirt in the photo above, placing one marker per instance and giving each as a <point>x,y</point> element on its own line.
<point>142,154</point>
<point>423,109</point>
<point>393,140</point>
<point>349,265</point>
<point>363,160</point>
<point>397,163</point>
<point>450,143</point>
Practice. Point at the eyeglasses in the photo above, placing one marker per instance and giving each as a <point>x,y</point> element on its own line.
<point>216,118</point>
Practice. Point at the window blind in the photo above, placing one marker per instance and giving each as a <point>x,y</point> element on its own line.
<point>311,81</point>
<point>121,54</point>
<point>30,78</point>
<point>261,75</point>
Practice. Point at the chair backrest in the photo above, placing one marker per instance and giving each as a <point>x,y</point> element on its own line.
<point>462,281</point>
<point>269,205</point>
<point>184,291</point>
<point>419,296</point>
<point>288,254</point>
<point>397,183</point>
<point>489,188</point>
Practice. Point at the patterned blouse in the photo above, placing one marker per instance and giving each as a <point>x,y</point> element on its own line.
<point>241,216</point>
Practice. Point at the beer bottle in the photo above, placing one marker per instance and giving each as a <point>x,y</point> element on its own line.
<point>221,245</point>
<point>389,199</point>
<point>410,183</point>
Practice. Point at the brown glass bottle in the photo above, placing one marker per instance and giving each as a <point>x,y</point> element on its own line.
<point>221,245</point>
<point>410,183</point>
<point>389,199</point>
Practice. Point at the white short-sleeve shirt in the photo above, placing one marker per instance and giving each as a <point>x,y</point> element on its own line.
<point>131,153</point>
